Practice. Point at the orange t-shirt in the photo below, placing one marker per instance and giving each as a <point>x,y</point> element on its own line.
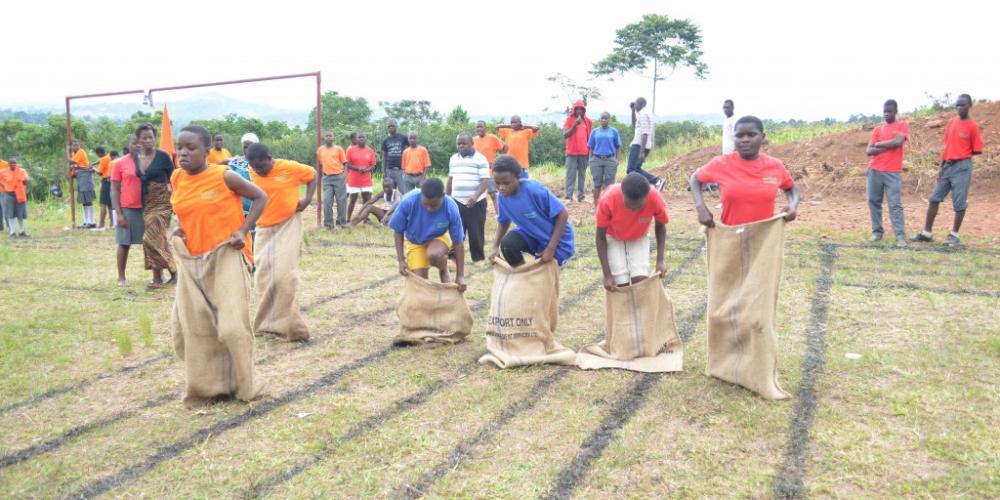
<point>282,188</point>
<point>105,168</point>
<point>207,210</point>
<point>80,159</point>
<point>331,159</point>
<point>416,160</point>
<point>215,156</point>
<point>488,145</point>
<point>961,139</point>
<point>13,181</point>
<point>517,143</point>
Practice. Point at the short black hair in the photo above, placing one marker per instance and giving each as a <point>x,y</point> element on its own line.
<point>201,132</point>
<point>729,101</point>
<point>145,126</point>
<point>389,181</point>
<point>217,134</point>
<point>258,151</point>
<point>753,120</point>
<point>432,188</point>
<point>635,186</point>
<point>114,154</point>
<point>968,97</point>
<point>508,164</point>
<point>99,150</point>
<point>891,102</point>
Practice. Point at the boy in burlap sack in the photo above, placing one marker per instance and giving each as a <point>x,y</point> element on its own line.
<point>211,314</point>
<point>745,256</point>
<point>279,242</point>
<point>524,304</point>
<point>640,316</point>
<point>427,227</point>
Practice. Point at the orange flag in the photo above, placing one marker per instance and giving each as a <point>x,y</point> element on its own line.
<point>167,136</point>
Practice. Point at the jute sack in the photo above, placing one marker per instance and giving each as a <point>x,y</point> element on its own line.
<point>744,271</point>
<point>639,323</point>
<point>431,312</point>
<point>211,324</point>
<point>276,254</point>
<point>524,310</point>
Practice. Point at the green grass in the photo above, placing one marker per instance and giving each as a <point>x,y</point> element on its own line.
<point>915,416</point>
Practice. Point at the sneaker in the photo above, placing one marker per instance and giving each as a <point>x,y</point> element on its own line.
<point>922,237</point>
<point>952,241</point>
<point>568,200</point>
<point>579,200</point>
<point>875,237</point>
<point>660,184</point>
<point>901,243</point>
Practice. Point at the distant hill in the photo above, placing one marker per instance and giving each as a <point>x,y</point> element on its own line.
<point>209,105</point>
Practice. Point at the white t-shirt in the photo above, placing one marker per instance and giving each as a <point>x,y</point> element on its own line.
<point>466,173</point>
<point>729,135</point>
<point>644,125</point>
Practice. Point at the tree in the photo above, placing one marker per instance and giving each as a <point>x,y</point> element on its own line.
<point>339,110</point>
<point>656,39</point>
<point>410,114</point>
<point>573,90</point>
<point>458,117</point>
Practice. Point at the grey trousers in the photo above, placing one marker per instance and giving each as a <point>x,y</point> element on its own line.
<point>334,186</point>
<point>396,175</point>
<point>410,182</point>
<point>889,184</point>
<point>576,175</point>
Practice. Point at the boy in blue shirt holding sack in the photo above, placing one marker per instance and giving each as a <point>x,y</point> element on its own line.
<point>540,218</point>
<point>428,226</point>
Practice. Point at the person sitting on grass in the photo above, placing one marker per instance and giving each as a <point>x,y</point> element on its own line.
<point>624,214</point>
<point>540,217</point>
<point>962,141</point>
<point>390,197</point>
<point>428,226</point>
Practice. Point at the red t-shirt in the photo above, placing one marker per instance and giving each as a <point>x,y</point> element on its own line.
<point>123,171</point>
<point>961,139</point>
<point>360,157</point>
<point>891,160</point>
<point>576,144</point>
<point>624,224</point>
<point>748,188</point>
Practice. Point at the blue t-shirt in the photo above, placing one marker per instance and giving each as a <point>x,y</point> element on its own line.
<point>420,226</point>
<point>241,166</point>
<point>534,210</point>
<point>604,142</point>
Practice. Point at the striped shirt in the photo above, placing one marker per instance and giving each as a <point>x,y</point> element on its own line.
<point>466,172</point>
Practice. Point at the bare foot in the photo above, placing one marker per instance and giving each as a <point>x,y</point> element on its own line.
<point>173,279</point>
<point>153,285</point>
<point>123,283</point>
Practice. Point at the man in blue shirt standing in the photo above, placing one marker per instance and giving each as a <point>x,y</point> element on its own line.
<point>605,146</point>
<point>540,217</point>
<point>428,226</point>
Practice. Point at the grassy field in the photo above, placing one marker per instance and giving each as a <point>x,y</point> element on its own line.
<point>90,390</point>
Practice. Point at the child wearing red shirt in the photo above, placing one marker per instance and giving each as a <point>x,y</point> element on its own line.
<point>962,140</point>
<point>624,214</point>
<point>885,172</point>
<point>361,161</point>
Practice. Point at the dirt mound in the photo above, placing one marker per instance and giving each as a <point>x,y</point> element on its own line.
<point>837,163</point>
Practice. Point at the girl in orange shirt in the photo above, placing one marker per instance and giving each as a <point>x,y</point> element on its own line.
<point>211,315</point>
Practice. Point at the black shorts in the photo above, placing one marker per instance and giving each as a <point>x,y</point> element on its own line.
<point>106,192</point>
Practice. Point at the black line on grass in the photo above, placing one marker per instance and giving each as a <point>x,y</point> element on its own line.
<point>789,482</point>
<point>80,385</point>
<point>327,298</point>
<point>922,288</point>
<point>630,402</point>
<point>170,451</point>
<point>56,442</point>
<point>464,450</point>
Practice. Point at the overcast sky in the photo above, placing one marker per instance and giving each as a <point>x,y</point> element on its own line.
<point>776,59</point>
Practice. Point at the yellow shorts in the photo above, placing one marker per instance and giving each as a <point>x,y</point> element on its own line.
<point>416,255</point>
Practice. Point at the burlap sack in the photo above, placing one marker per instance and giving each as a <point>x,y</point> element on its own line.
<point>744,271</point>
<point>431,313</point>
<point>639,323</point>
<point>276,254</point>
<point>211,324</point>
<point>524,310</point>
